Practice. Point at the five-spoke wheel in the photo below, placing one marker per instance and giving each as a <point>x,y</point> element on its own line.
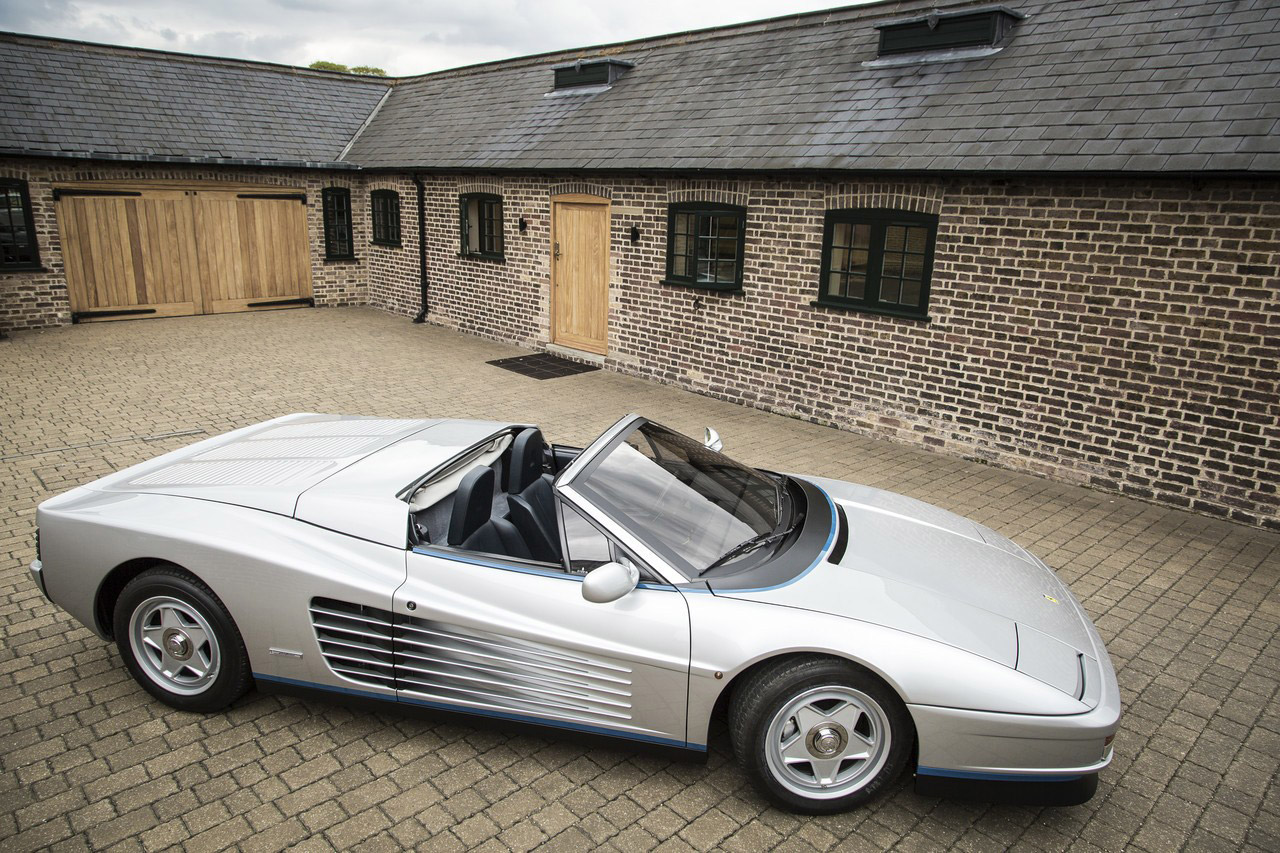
<point>179,642</point>
<point>175,645</point>
<point>819,734</point>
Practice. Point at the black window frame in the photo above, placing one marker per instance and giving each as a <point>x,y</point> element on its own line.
<point>32,247</point>
<point>497,239</point>
<point>879,220</point>
<point>328,206</point>
<point>384,215</point>
<point>702,210</point>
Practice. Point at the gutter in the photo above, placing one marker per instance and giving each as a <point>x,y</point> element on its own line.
<point>422,248</point>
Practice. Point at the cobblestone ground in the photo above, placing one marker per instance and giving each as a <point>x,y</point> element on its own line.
<point>1188,605</point>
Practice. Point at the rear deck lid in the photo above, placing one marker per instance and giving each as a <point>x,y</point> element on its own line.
<point>265,466</point>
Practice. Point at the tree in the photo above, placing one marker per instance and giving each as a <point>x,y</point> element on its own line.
<point>325,65</point>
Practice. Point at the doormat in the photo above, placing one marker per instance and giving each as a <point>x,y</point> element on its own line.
<point>543,366</point>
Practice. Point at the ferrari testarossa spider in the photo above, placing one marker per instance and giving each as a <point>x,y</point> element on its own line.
<point>633,589</point>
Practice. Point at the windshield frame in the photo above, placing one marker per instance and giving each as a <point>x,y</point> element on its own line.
<point>574,483</point>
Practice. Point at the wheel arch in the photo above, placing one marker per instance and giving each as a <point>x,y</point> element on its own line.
<point>104,603</point>
<point>743,676</point>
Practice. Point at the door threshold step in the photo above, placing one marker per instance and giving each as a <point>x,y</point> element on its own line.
<point>576,354</point>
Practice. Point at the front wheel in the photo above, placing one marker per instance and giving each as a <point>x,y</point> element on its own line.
<point>819,735</point>
<point>179,642</point>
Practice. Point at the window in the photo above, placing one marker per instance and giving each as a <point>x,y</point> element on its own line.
<point>18,249</point>
<point>386,217</point>
<point>878,261</point>
<point>588,547</point>
<point>480,221</point>
<point>704,245</point>
<point>338,244</point>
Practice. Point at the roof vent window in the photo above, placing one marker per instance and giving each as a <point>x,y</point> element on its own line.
<point>975,27</point>
<point>593,73</point>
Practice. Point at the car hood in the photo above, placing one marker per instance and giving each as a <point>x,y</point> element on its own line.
<point>915,567</point>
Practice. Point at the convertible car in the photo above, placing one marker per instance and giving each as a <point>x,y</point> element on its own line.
<point>634,589</point>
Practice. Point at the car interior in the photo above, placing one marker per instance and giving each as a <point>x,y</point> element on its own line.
<point>496,499</point>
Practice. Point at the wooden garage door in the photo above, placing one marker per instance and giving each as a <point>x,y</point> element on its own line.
<point>159,251</point>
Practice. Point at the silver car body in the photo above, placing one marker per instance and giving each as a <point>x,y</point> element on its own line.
<point>299,525</point>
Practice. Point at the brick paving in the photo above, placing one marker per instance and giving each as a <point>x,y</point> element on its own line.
<point>1189,607</point>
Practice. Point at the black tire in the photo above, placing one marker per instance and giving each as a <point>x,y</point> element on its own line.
<point>208,669</point>
<point>761,701</point>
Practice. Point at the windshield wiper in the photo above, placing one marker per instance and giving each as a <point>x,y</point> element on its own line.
<point>748,545</point>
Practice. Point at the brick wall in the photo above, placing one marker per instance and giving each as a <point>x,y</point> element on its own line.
<point>33,300</point>
<point>1117,333</point>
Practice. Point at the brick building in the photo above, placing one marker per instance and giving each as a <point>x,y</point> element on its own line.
<point>1046,235</point>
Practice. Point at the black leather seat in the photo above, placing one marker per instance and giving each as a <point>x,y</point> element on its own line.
<point>531,498</point>
<point>472,526</point>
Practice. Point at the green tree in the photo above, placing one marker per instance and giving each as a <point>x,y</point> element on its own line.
<point>325,65</point>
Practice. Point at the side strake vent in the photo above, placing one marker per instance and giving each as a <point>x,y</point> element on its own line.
<point>356,641</point>
<point>975,27</point>
<point>463,667</point>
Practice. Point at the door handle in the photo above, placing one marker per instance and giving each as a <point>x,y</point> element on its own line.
<point>557,251</point>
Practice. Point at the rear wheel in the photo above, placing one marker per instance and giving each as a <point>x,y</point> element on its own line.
<point>179,642</point>
<point>819,735</point>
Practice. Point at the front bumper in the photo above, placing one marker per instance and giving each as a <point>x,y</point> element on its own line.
<point>37,574</point>
<point>986,746</point>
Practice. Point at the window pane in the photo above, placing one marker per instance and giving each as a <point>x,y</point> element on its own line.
<point>839,258</point>
<point>680,247</point>
<point>910,293</point>
<point>892,266</point>
<point>726,248</point>
<point>862,236</point>
<point>842,234</point>
<point>472,225</point>
<point>889,289</point>
<point>685,266</point>
<point>913,267</point>
<point>725,272</point>
<point>917,239</point>
<point>858,262</point>
<point>895,238</point>
<point>704,270</point>
<point>835,283</point>
<point>856,287</point>
<point>588,547</point>
<point>684,224</point>
<point>727,227</point>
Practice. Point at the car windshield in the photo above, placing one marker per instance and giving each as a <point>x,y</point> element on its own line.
<point>697,503</point>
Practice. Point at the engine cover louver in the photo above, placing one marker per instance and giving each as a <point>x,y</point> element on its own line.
<point>456,666</point>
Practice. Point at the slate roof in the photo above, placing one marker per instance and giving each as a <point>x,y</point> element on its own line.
<point>74,99</point>
<point>1153,86</point>
<point>1110,85</point>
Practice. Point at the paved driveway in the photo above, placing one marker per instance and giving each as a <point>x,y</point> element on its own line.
<point>1188,605</point>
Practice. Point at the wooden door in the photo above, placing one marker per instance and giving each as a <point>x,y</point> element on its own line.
<point>129,255</point>
<point>252,250</point>
<point>580,272</point>
<point>157,251</point>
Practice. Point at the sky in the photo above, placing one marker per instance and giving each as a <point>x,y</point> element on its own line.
<point>401,36</point>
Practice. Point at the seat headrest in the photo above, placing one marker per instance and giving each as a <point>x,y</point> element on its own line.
<point>472,504</point>
<point>526,459</point>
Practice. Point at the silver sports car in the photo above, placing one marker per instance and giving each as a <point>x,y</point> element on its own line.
<point>633,589</point>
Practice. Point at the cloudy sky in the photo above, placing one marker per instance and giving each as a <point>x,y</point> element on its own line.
<point>402,36</point>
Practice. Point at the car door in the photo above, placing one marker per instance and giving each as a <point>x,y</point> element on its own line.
<point>512,639</point>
